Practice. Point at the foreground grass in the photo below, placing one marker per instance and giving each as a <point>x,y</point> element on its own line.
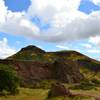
<point>72,98</point>
<point>27,94</point>
<point>92,93</point>
<point>41,94</point>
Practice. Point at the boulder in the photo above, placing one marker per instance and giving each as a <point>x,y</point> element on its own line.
<point>58,89</point>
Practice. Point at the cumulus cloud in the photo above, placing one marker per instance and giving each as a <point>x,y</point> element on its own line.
<point>65,21</point>
<point>15,22</point>
<point>47,9</point>
<point>95,40</point>
<point>3,11</point>
<point>5,49</point>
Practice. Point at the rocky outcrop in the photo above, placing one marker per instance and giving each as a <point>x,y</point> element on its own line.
<point>32,72</point>
<point>58,89</point>
<point>66,71</point>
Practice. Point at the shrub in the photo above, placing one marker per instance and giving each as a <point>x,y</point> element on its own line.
<point>96,82</point>
<point>9,80</point>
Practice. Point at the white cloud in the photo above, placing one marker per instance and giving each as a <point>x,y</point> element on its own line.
<point>94,51</point>
<point>62,47</point>
<point>5,49</point>
<point>47,9</point>
<point>66,21</point>
<point>15,22</point>
<point>3,11</point>
<point>96,2</point>
<point>95,40</point>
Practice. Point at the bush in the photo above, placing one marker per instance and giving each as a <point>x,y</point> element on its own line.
<point>96,82</point>
<point>9,80</point>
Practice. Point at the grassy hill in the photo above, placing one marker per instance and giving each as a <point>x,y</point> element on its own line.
<point>39,69</point>
<point>33,53</point>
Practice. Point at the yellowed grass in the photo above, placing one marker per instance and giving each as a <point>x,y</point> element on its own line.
<point>41,94</point>
<point>93,93</point>
<point>27,94</point>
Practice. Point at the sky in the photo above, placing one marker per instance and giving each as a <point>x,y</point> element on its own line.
<point>52,25</point>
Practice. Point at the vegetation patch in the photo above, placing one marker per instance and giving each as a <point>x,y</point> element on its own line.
<point>85,85</point>
<point>9,80</point>
<point>96,82</point>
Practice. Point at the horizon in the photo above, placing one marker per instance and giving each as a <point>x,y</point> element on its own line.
<point>69,25</point>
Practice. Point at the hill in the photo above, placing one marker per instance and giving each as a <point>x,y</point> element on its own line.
<point>34,53</point>
<point>34,65</point>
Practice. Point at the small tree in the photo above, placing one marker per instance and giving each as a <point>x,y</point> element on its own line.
<point>9,80</point>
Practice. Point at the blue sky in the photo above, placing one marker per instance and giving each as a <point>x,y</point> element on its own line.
<point>88,6</point>
<point>17,5</point>
<point>16,41</point>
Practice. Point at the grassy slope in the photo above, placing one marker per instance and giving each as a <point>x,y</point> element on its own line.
<point>52,56</point>
<point>40,94</point>
<point>27,94</point>
<point>90,74</point>
<point>31,55</point>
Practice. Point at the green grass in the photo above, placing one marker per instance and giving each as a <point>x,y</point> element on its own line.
<point>72,98</point>
<point>92,93</point>
<point>27,94</point>
<point>41,94</point>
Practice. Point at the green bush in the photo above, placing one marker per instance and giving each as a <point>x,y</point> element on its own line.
<point>96,82</point>
<point>9,80</point>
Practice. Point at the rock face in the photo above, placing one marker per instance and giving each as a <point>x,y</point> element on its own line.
<point>32,72</point>
<point>58,90</point>
<point>66,71</point>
